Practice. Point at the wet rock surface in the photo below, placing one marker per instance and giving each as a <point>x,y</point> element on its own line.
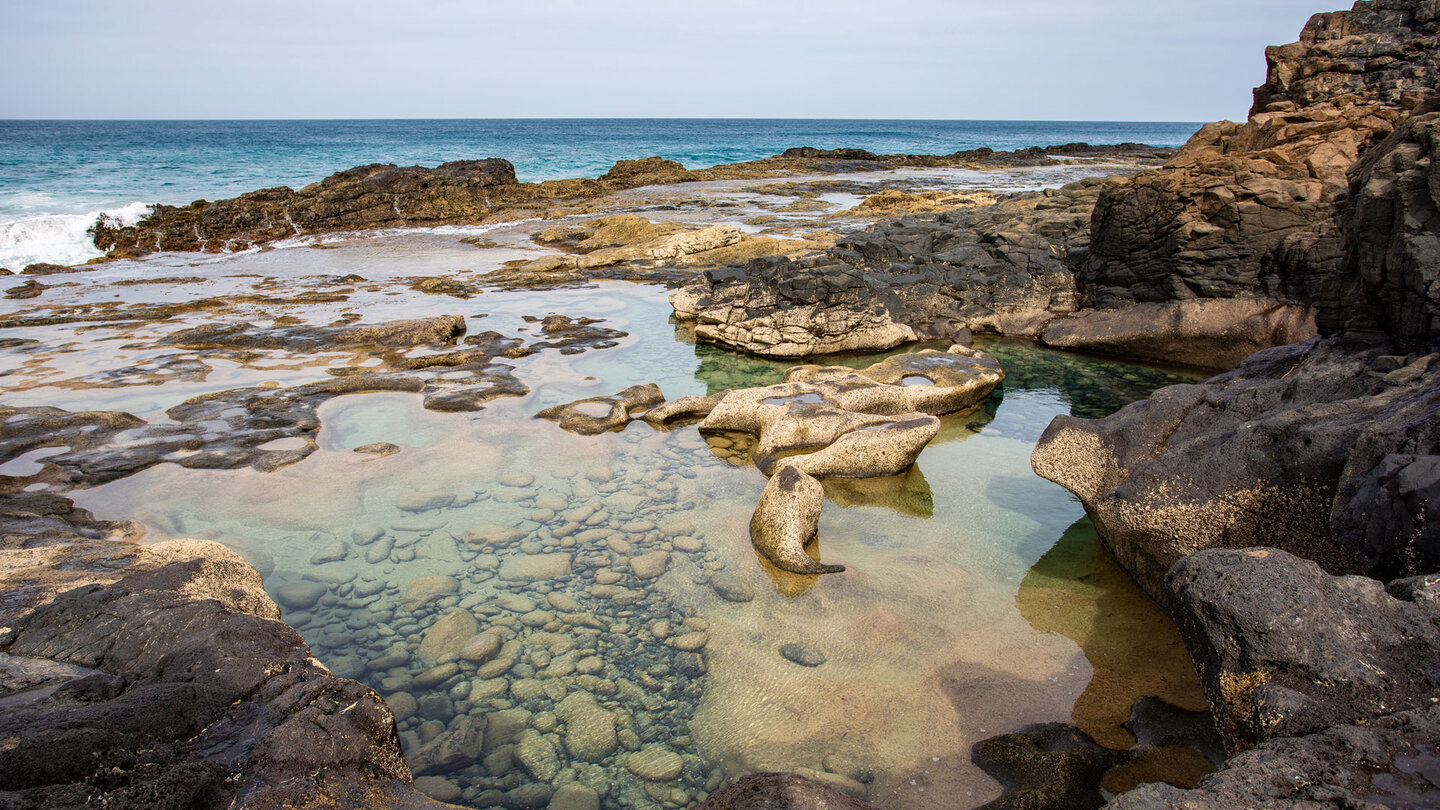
<point>821,422</point>
<point>619,410</point>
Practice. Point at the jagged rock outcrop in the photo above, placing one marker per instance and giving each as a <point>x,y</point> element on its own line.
<point>1326,450</point>
<point>1001,268</point>
<point>1392,236</point>
<point>161,676</point>
<point>1244,214</point>
<point>1249,211</point>
<point>372,196</point>
<point>779,308</point>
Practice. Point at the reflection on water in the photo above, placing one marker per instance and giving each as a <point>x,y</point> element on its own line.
<point>544,609</point>
<point>1079,591</point>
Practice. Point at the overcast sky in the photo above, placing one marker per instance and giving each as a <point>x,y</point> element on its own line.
<point>1158,60</point>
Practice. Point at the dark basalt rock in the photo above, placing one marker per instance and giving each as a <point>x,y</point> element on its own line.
<point>779,791</point>
<point>391,334</point>
<point>1284,649</point>
<point>1250,210</point>
<point>30,289</point>
<point>1386,762</point>
<point>776,307</point>
<point>47,269</point>
<point>574,335</point>
<point>998,268</point>
<point>1294,448</point>
<point>1046,767</point>
<point>373,196</point>
<point>1392,236</point>
<point>1245,214</point>
<point>164,679</point>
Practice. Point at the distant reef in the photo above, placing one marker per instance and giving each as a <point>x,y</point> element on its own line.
<point>478,191</point>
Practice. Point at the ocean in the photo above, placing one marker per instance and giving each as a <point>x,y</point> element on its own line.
<point>56,177</point>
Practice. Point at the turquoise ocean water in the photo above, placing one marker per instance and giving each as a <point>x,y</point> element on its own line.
<point>57,176</point>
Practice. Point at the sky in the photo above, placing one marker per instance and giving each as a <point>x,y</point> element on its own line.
<point>1098,60</point>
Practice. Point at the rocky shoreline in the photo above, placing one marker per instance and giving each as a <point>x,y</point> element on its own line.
<point>476,192</point>
<point>1283,513</point>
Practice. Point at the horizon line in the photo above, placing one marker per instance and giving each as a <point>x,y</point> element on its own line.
<point>616,118</point>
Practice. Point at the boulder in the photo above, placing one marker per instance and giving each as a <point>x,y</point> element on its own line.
<point>787,519</point>
<point>1383,762</point>
<point>448,636</point>
<point>249,716</point>
<point>1284,649</point>
<point>532,567</point>
<point>1313,448</point>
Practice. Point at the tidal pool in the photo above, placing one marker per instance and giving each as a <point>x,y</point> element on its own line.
<point>542,608</point>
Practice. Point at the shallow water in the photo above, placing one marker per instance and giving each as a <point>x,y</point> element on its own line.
<point>974,602</point>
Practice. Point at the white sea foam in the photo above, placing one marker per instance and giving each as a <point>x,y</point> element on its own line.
<point>57,238</point>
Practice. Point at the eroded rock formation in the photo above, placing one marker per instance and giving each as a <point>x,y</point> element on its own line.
<point>819,422</point>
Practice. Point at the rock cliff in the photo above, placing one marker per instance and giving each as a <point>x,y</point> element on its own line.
<point>1248,504</point>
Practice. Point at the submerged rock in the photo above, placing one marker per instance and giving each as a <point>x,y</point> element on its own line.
<point>1051,765</point>
<point>655,763</point>
<point>781,791</point>
<point>620,409</point>
<point>532,567</point>
<point>802,654</point>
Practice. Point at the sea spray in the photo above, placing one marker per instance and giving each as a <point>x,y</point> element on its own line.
<point>58,238</point>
